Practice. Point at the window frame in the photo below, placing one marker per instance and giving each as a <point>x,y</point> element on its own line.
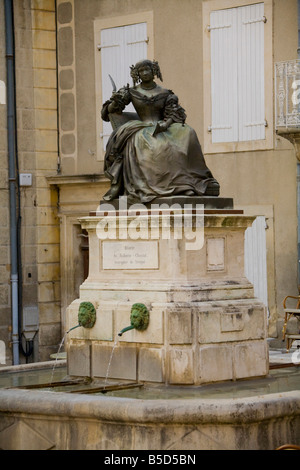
<point>238,146</point>
<point>107,23</point>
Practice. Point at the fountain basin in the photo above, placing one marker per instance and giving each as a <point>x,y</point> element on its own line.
<point>42,419</point>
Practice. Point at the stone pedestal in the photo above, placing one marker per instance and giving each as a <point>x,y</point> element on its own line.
<point>205,324</point>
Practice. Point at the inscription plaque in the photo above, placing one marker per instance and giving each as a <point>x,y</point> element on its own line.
<point>130,255</point>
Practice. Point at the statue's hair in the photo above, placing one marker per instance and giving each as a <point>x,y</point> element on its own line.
<point>134,70</point>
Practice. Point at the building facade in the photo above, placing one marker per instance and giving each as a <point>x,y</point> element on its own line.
<point>218,56</point>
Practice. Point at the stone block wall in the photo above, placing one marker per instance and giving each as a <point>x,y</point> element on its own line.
<point>4,207</point>
<point>44,207</point>
<point>36,103</point>
<point>67,86</point>
<point>183,345</point>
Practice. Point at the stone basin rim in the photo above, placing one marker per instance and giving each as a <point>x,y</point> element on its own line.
<point>163,411</point>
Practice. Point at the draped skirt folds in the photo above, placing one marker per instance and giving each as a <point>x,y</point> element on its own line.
<point>144,167</point>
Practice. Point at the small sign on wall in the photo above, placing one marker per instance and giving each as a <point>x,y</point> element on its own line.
<point>2,92</point>
<point>2,352</point>
<point>130,255</point>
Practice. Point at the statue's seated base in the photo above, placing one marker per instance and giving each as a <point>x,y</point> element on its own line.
<point>208,202</point>
<point>204,323</point>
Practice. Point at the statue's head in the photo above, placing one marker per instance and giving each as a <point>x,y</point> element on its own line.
<point>139,317</point>
<point>134,70</point>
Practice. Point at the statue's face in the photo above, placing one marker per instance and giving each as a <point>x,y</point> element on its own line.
<point>145,73</point>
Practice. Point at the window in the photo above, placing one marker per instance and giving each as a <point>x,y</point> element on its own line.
<point>237,46</point>
<point>118,46</point>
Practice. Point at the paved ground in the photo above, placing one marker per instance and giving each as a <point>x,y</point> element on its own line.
<point>281,356</point>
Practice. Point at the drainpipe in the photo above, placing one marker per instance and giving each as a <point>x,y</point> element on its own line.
<point>57,94</point>
<point>11,138</point>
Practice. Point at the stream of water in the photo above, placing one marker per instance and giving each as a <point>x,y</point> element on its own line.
<point>57,357</point>
<point>110,359</point>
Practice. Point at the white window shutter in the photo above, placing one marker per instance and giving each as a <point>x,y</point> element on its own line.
<point>135,40</point>
<point>136,44</point>
<point>223,75</point>
<point>120,48</point>
<point>251,72</point>
<point>111,50</point>
<point>237,74</point>
<point>256,258</point>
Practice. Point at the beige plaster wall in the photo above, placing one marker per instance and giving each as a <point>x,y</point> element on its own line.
<point>285,26</point>
<point>269,177</point>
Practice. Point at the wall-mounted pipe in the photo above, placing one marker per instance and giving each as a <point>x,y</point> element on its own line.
<point>12,174</point>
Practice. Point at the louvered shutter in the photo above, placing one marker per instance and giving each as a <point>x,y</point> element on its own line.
<point>251,72</point>
<point>224,76</point>
<point>135,45</point>
<point>120,48</point>
<point>237,74</point>
<point>256,258</point>
<point>111,63</point>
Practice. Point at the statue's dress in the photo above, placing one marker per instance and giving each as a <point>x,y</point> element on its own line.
<point>143,166</point>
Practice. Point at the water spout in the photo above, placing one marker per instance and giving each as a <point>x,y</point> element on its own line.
<point>73,328</point>
<point>86,316</point>
<point>139,318</point>
<point>131,327</point>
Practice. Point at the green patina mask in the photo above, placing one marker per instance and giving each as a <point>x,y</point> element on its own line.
<point>86,315</point>
<point>139,317</point>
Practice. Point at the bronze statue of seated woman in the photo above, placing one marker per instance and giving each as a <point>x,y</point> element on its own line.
<point>154,153</point>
